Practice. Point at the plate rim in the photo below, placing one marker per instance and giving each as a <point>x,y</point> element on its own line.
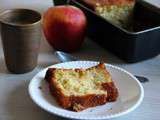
<point>138,102</point>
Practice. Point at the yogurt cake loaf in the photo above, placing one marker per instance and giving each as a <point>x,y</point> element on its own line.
<point>119,12</point>
<point>79,89</point>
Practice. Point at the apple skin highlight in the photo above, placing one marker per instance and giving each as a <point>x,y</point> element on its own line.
<point>64,27</point>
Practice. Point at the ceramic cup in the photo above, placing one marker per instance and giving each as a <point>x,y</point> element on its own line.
<point>20,34</point>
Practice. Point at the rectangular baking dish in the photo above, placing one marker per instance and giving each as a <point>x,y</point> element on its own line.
<point>142,43</point>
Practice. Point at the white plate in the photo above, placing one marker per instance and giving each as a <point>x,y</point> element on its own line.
<point>131,94</point>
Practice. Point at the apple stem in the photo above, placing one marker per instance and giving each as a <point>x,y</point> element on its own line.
<point>68,1</point>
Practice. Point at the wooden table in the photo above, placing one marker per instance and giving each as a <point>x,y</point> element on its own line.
<point>15,103</point>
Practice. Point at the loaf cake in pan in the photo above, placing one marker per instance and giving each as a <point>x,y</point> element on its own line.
<point>119,12</point>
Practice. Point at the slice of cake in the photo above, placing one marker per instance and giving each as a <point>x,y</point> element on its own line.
<point>119,12</point>
<point>78,89</point>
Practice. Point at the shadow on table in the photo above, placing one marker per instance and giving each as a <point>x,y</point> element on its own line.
<point>19,106</point>
<point>46,64</point>
<point>3,68</point>
<point>94,52</point>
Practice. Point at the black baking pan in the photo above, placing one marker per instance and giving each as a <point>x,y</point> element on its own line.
<point>140,43</point>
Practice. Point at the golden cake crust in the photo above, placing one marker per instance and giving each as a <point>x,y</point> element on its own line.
<point>93,3</point>
<point>78,103</point>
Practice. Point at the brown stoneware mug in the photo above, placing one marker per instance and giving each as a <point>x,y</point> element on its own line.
<point>20,34</point>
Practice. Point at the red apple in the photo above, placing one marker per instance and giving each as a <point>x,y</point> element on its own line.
<point>64,27</point>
